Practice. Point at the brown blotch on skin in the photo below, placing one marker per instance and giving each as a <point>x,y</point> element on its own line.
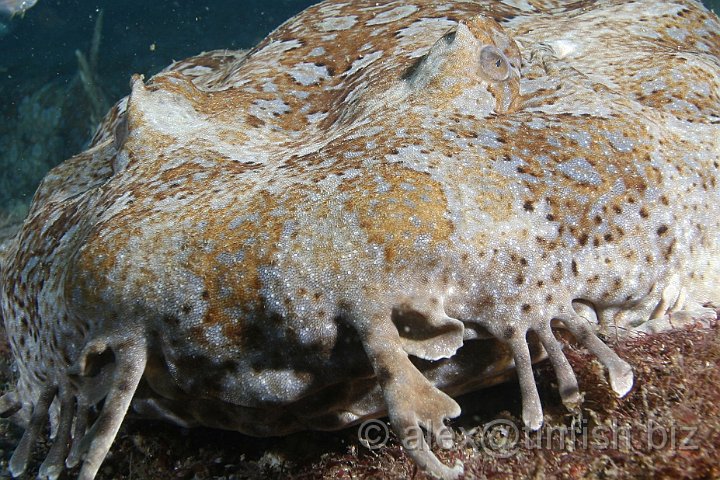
<point>669,250</point>
<point>509,332</point>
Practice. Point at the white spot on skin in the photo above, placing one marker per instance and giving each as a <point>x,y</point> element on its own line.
<point>334,24</point>
<point>267,109</point>
<point>620,142</point>
<point>275,48</point>
<point>536,124</point>
<point>523,5</point>
<point>582,138</point>
<point>417,37</point>
<point>316,117</point>
<point>309,74</point>
<point>214,335</point>
<point>653,85</point>
<point>488,139</point>
<point>301,96</point>
<point>476,102</point>
<point>580,170</point>
<point>363,62</point>
<point>563,47</point>
<point>677,34</point>
<point>269,87</point>
<point>393,15</point>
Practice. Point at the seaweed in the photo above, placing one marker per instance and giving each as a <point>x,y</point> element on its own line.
<point>87,74</point>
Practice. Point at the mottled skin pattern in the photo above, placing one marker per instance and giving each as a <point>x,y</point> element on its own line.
<point>381,206</point>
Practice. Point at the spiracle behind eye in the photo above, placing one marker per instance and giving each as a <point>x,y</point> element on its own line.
<point>493,64</point>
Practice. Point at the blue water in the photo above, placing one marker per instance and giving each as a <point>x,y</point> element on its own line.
<point>44,113</point>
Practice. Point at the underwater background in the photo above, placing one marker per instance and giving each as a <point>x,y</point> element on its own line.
<point>63,63</point>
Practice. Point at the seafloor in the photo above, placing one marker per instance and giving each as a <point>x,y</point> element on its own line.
<point>65,62</point>
<point>667,427</point>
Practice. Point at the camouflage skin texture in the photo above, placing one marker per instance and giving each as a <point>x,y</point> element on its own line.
<point>381,206</point>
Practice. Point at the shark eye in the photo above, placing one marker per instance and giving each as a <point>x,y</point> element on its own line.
<point>493,64</point>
